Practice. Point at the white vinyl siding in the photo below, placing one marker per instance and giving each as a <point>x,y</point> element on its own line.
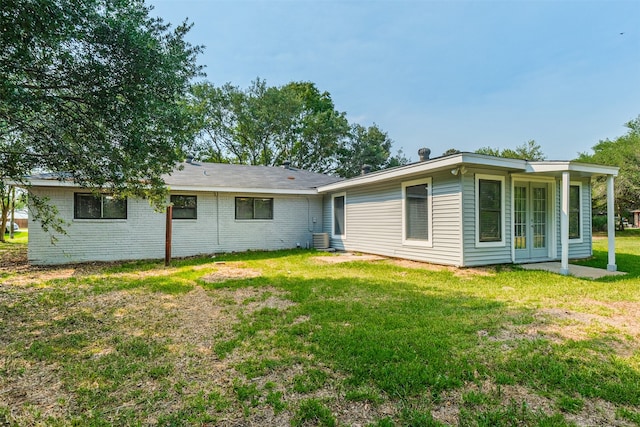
<point>374,220</point>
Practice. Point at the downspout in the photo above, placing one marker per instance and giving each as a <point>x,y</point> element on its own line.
<point>218,219</point>
<point>309,222</point>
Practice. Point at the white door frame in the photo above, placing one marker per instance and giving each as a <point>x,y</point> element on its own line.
<point>552,235</point>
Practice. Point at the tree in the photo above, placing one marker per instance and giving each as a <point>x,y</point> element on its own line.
<point>623,152</point>
<point>268,125</point>
<point>93,90</point>
<point>452,151</point>
<point>366,146</point>
<point>530,150</point>
<point>296,123</point>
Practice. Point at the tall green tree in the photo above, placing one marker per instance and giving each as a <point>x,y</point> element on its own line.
<point>623,152</point>
<point>265,125</point>
<point>296,123</point>
<point>93,89</point>
<point>529,150</point>
<point>366,146</point>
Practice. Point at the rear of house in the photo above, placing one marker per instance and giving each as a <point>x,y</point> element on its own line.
<point>216,208</point>
<point>465,210</point>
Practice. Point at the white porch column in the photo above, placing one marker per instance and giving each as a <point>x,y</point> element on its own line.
<point>564,223</point>
<point>611,226</point>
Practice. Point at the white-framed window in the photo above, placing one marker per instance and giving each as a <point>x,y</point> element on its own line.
<point>417,208</point>
<point>490,210</point>
<point>184,207</point>
<point>339,215</point>
<point>103,206</point>
<point>575,212</point>
<point>254,208</point>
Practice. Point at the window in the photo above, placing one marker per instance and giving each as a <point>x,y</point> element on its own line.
<point>416,215</point>
<point>489,210</point>
<point>254,208</point>
<point>184,207</point>
<point>90,206</point>
<point>574,211</point>
<point>338,213</point>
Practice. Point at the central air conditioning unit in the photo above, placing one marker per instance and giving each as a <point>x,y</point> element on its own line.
<point>321,240</point>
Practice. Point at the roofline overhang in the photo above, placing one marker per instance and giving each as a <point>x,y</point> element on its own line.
<point>309,192</point>
<point>433,165</point>
<point>473,159</point>
<point>568,166</point>
<point>190,188</point>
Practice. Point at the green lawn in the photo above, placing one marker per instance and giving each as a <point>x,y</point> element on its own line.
<point>285,338</point>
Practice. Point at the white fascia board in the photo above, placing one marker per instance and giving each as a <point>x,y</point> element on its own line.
<point>50,183</point>
<point>533,167</point>
<point>427,166</point>
<point>311,191</point>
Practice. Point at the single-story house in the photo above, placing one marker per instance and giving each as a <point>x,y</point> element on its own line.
<point>216,208</point>
<point>464,209</point>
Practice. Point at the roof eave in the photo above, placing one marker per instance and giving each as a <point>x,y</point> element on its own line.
<point>432,165</point>
<point>303,192</point>
<point>568,166</point>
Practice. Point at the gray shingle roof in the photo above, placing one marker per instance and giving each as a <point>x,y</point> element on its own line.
<point>219,176</point>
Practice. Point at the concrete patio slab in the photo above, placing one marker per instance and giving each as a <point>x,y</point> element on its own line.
<point>574,270</point>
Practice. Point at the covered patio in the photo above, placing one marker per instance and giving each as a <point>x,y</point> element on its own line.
<point>565,171</point>
<point>576,270</point>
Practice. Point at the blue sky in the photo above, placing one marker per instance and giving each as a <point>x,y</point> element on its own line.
<point>438,74</point>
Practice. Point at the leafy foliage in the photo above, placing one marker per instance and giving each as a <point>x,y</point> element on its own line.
<point>366,146</point>
<point>623,152</point>
<point>93,90</point>
<point>268,125</point>
<point>296,123</point>
<point>530,150</point>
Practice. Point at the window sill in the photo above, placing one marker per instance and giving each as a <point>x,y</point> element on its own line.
<point>99,220</point>
<point>417,243</point>
<point>490,244</point>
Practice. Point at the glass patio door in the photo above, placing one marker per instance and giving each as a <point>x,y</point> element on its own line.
<point>531,220</point>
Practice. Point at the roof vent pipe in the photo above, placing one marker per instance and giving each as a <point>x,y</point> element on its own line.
<point>424,154</point>
<point>286,165</point>
<point>189,158</point>
<point>365,169</point>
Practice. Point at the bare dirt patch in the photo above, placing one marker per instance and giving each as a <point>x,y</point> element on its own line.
<point>457,271</point>
<point>231,271</point>
<point>621,325</point>
<point>348,257</point>
<point>404,263</point>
